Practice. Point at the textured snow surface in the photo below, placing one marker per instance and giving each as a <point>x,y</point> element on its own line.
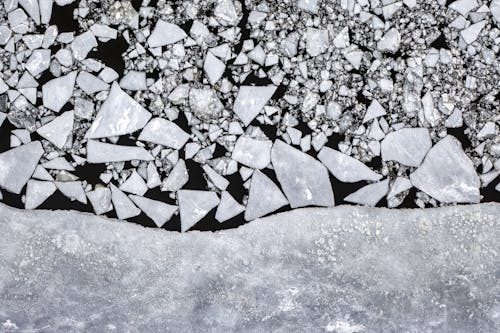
<point>342,269</point>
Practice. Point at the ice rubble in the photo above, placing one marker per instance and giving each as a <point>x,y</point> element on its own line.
<point>308,270</point>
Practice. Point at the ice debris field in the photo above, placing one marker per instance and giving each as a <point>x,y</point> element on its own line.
<point>206,114</point>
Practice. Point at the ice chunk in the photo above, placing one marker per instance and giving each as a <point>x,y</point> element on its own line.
<point>252,152</point>
<point>102,31</point>
<point>205,104</point>
<point>304,180</point>
<point>100,152</point>
<point>157,211</point>
<point>18,164</point>
<point>2,118</point>
<point>346,168</point>
<point>38,62</point>
<point>495,10</point>
<point>369,195</point>
<point>390,41</point>
<point>176,178</point>
<point>251,100</point>
<point>431,114</point>
<point>45,10</point>
<point>32,8</point>
<point>18,21</point>
<point>134,184</point>
<point>455,120</point>
<point>194,205</point>
<point>213,67</point>
<point>100,199</point>
<point>58,163</point>
<point>57,92</point>
<point>471,33</point>
<point>464,6</point>
<point>154,179</point>
<point>42,174</point>
<point>316,41</point>
<point>400,185</point>
<point>165,33</point>
<point>407,146</point>
<point>90,84</point>
<point>83,44</point>
<point>341,41</point>
<point>120,114</point>
<point>124,207</point>
<point>216,179</point>
<point>354,56</point>
<point>375,110</point>
<point>308,5</point>
<point>264,197</point>
<point>447,174</point>
<point>37,192</point>
<point>228,208</point>
<point>134,81</point>
<point>226,12</point>
<point>488,130</point>
<point>72,190</point>
<point>58,130</point>
<point>5,34</point>
<point>164,132</point>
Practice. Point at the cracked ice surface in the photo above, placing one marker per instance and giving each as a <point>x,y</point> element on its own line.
<point>300,271</point>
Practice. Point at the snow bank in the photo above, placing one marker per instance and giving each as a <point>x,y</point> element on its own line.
<point>342,269</point>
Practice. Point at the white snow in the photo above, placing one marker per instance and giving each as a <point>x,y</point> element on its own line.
<point>346,168</point>
<point>447,174</point>
<point>57,92</point>
<point>251,100</point>
<point>304,180</point>
<point>58,130</point>
<point>120,114</point>
<point>165,33</point>
<point>18,164</point>
<point>369,195</point>
<point>407,146</point>
<point>157,211</point>
<point>134,184</point>
<point>253,153</point>
<point>177,177</point>
<point>100,152</point>
<point>164,132</point>
<point>264,197</point>
<point>194,205</point>
<point>37,192</point>
<point>124,207</point>
<point>228,208</point>
<point>100,199</point>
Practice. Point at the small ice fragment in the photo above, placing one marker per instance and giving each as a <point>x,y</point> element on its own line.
<point>258,55</point>
<point>341,41</point>
<point>216,179</point>
<point>57,92</point>
<point>194,205</point>
<point>455,120</point>
<point>369,195</point>
<point>32,8</point>
<point>72,190</point>
<point>213,67</point>
<point>228,208</point>
<point>18,21</point>
<point>165,33</point>
<point>120,114</point>
<point>304,180</point>
<point>308,5</point>
<point>157,211</point>
<point>346,168</point>
<point>90,84</point>
<point>251,100</point>
<point>471,33</point>
<point>390,41</point>
<point>37,192</point>
<point>58,130</point>
<point>2,118</point>
<point>124,207</point>
<point>134,184</point>
<point>42,174</point>
<point>99,152</point>
<point>464,6</point>
<point>38,62</point>
<point>264,197</point>
<point>164,132</point>
<point>154,179</point>
<point>177,177</point>
<point>447,174</point>
<point>83,44</point>
<point>26,81</point>
<point>407,146</point>
<point>316,41</point>
<point>5,34</point>
<point>134,81</point>
<point>354,56</point>
<point>488,130</point>
<point>252,152</point>
<point>375,110</point>
<point>431,114</point>
<point>100,199</point>
<point>103,31</point>
<point>18,164</point>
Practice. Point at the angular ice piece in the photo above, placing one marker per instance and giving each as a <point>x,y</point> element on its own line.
<point>205,104</point>
<point>18,21</point>
<point>37,192</point>
<point>27,81</point>
<point>83,44</point>
<point>2,118</point>
<point>164,132</point>
<point>471,33</point>
<point>310,6</point>
<point>90,84</point>
<point>194,205</point>
<point>120,114</point>
<point>58,130</point>
<point>389,10</point>
<point>42,174</point>
<point>390,41</point>
<point>134,81</point>
<point>369,195</point>
<point>400,185</point>
<point>375,110</point>
<point>38,62</point>
<point>316,41</point>
<point>134,184</point>
<point>341,41</point>
<point>32,8</point>
<point>354,56</point>
<point>72,190</point>
<point>100,199</point>
<point>463,6</point>
<point>177,178</point>
<point>57,92</point>
<point>165,33</point>
<point>226,12</point>
<point>216,179</point>
<point>431,114</point>
<point>495,11</point>
<point>407,146</point>
<point>100,152</point>
<point>304,180</point>
<point>257,55</point>
<point>58,163</point>
<point>251,100</point>
<point>45,10</point>
<point>103,31</point>
<point>213,67</point>
<point>252,152</point>
<point>154,179</point>
<point>18,164</point>
<point>124,207</point>
<point>228,208</point>
<point>5,34</point>
<point>157,211</point>
<point>455,120</point>
<point>264,197</point>
<point>447,174</point>
<point>488,130</point>
<point>346,168</point>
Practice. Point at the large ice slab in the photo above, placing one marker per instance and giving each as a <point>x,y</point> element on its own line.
<point>304,179</point>
<point>447,174</point>
<point>309,270</point>
<point>407,146</point>
<point>251,100</point>
<point>346,168</point>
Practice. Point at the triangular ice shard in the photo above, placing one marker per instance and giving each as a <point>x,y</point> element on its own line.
<point>124,207</point>
<point>251,100</point>
<point>228,207</point>
<point>194,205</point>
<point>58,130</point>
<point>157,211</point>
<point>37,192</point>
<point>265,197</point>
